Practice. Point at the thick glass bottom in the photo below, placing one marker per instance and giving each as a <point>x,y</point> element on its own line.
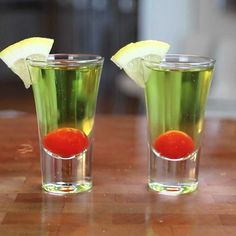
<point>64,188</point>
<point>66,175</point>
<point>173,189</point>
<point>173,176</point>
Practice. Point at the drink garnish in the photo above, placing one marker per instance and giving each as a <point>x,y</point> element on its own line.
<point>174,144</point>
<point>15,55</point>
<point>130,57</point>
<point>66,142</point>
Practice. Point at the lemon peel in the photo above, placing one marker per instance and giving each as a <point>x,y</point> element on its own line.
<point>15,55</point>
<point>130,57</point>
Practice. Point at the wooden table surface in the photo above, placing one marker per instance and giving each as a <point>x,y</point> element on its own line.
<point>120,203</point>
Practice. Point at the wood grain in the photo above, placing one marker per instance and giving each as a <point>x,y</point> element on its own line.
<point>120,203</point>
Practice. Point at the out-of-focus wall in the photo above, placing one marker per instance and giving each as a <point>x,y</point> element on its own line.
<point>167,20</point>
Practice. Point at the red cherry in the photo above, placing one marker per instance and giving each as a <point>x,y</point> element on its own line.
<point>174,144</point>
<point>66,142</point>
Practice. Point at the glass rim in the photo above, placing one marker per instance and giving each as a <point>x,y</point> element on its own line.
<point>182,61</point>
<point>65,59</point>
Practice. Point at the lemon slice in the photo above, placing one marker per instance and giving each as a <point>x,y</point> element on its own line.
<point>14,55</point>
<point>130,57</point>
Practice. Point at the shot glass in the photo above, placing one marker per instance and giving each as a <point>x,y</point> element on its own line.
<point>176,92</point>
<point>65,89</point>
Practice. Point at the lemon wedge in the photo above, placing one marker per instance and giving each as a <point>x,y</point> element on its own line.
<point>130,57</point>
<point>15,55</point>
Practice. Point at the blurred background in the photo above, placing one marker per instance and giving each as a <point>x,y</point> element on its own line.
<point>103,26</point>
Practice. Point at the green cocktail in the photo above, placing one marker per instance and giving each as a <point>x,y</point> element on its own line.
<point>65,89</point>
<point>176,93</point>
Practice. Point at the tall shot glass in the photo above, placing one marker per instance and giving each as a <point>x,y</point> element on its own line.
<point>176,92</point>
<point>65,89</point>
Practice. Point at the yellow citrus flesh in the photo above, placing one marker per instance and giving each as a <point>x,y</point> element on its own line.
<point>130,57</point>
<point>15,55</point>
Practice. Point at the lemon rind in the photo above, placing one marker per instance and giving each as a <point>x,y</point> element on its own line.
<point>15,55</point>
<point>25,48</point>
<point>139,50</point>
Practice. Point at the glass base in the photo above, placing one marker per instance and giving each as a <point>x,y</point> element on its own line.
<point>65,188</point>
<point>173,189</point>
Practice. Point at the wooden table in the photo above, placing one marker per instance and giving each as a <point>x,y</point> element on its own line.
<point>120,203</point>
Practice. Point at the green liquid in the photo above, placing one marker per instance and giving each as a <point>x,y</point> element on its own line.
<point>176,99</point>
<point>65,97</point>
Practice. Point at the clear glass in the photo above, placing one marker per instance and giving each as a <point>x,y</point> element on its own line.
<point>176,92</point>
<point>65,89</point>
